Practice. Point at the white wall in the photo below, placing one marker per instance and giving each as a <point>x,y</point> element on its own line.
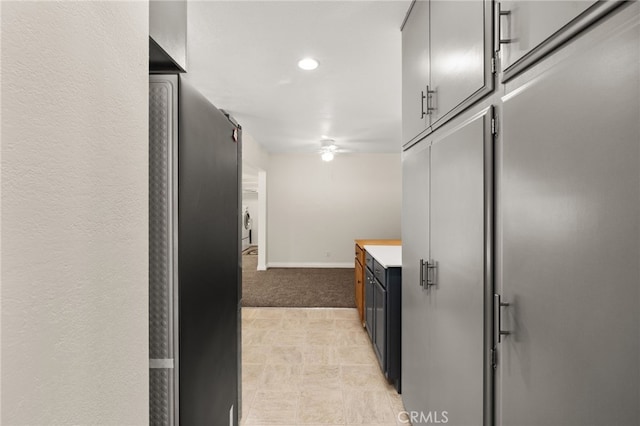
<point>316,209</point>
<point>254,156</point>
<point>255,163</point>
<point>254,159</point>
<point>74,213</point>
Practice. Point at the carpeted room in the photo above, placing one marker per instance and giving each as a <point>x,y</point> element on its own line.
<point>295,287</point>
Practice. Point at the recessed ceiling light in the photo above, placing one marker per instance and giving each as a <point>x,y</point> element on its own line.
<point>308,64</point>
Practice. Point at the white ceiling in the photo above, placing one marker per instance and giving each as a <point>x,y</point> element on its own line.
<point>242,55</point>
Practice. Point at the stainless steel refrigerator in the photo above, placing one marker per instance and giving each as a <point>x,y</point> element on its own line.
<point>194,257</point>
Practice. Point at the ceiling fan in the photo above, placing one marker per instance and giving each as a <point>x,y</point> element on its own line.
<point>328,149</point>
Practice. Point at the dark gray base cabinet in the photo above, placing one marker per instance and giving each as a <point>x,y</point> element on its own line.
<point>382,316</point>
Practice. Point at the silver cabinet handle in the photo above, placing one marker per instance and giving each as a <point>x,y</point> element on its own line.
<point>425,276</point>
<point>498,305</point>
<point>502,13</point>
<point>429,96</point>
<point>422,98</point>
<point>431,267</point>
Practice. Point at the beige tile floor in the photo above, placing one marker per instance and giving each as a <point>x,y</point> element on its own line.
<point>312,366</point>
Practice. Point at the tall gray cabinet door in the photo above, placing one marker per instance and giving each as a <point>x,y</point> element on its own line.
<point>415,248</point>
<point>570,237</point>
<point>455,310</point>
<point>415,71</point>
<point>461,51</point>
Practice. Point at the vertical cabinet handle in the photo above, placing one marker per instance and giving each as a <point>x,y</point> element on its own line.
<point>425,273</point>
<point>431,267</point>
<point>430,107</point>
<point>502,13</point>
<point>498,305</point>
<point>426,95</point>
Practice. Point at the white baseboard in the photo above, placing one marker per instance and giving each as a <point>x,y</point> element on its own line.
<point>310,265</point>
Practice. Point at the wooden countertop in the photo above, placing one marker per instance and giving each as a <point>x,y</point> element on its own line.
<point>362,243</point>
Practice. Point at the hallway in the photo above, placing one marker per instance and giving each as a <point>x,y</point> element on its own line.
<point>312,366</point>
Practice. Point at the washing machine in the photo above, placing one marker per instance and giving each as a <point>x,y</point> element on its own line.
<point>246,227</point>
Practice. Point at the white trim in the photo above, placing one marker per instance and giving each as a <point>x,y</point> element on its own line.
<point>310,265</point>
<point>262,220</point>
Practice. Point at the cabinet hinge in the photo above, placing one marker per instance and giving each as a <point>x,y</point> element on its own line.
<point>494,358</point>
<point>493,65</point>
<point>494,130</point>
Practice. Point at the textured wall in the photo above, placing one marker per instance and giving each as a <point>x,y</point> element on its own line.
<point>74,213</point>
<point>316,209</point>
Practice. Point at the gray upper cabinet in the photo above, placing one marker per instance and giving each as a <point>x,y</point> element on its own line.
<point>447,51</point>
<point>529,30</point>
<point>461,52</point>
<point>415,71</point>
<point>526,24</point>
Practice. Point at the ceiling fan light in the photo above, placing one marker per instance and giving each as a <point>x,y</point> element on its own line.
<point>327,156</point>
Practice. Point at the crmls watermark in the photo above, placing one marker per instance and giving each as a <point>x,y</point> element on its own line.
<point>421,417</point>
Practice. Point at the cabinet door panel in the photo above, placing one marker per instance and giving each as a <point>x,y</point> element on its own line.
<point>570,238</point>
<point>455,311</point>
<point>415,246</point>
<point>380,320</point>
<point>415,70</point>
<point>529,23</point>
<point>461,52</point>
<point>368,303</point>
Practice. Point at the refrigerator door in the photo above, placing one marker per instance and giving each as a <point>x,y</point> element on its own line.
<point>209,231</point>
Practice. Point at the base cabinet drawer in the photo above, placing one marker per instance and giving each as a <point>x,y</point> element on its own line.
<point>380,273</point>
